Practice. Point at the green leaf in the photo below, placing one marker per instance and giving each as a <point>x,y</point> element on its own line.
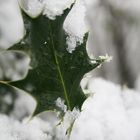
<point>54,71</point>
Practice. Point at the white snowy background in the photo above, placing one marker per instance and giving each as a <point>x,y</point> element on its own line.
<point>112,111</point>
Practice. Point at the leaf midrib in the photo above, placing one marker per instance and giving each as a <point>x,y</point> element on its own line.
<point>59,70</point>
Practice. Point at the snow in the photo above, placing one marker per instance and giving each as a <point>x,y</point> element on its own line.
<point>63,130</point>
<point>106,57</point>
<point>11,67</point>
<point>75,25</point>
<point>32,7</point>
<point>110,113</point>
<point>50,9</point>
<point>60,104</point>
<point>24,106</point>
<point>11,129</point>
<point>11,23</point>
<point>55,8</point>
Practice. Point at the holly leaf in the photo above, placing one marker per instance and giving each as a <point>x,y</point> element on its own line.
<point>54,73</point>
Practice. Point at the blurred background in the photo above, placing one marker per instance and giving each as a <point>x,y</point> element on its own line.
<point>114,30</point>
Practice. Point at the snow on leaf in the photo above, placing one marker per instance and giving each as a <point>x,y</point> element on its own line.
<point>49,8</point>
<point>75,25</point>
<point>55,8</point>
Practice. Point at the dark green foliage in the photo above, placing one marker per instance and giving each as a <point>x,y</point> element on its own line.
<point>54,71</point>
